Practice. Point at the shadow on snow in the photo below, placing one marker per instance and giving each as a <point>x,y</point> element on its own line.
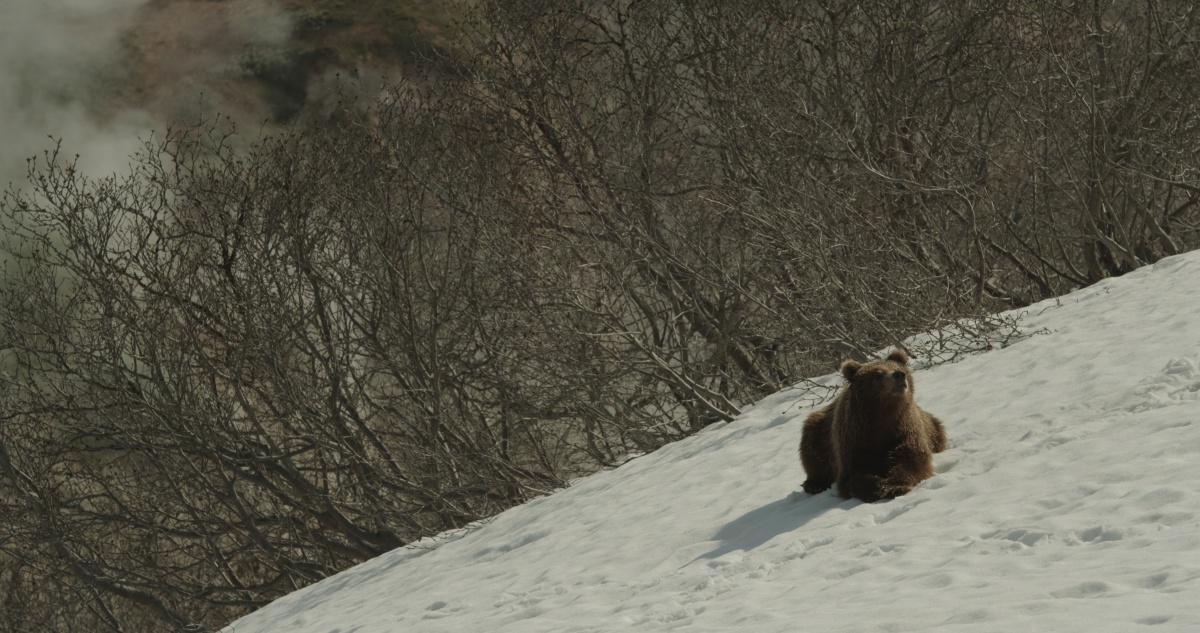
<point>765,523</point>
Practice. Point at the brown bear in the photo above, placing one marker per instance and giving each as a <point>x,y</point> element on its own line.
<point>873,441</point>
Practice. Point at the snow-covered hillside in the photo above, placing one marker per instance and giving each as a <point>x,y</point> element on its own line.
<point>1069,500</point>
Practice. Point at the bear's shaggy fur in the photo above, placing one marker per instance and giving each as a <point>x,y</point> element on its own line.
<point>873,441</point>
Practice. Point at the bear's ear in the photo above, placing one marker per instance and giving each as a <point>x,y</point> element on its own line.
<point>899,356</point>
<point>849,368</point>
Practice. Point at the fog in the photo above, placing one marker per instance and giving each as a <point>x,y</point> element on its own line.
<point>58,58</point>
<point>101,75</point>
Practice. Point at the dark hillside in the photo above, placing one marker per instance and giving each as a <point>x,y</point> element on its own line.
<point>266,61</point>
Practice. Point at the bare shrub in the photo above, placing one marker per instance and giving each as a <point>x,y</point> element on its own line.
<point>235,375</point>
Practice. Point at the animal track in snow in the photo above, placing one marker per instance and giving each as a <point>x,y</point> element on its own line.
<point>441,609</point>
<point>883,550</point>
<point>489,553</point>
<point>1023,536</point>
<point>1099,535</point>
<point>1091,589</point>
<point>1154,581</point>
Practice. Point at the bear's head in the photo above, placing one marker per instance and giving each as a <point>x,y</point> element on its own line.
<point>887,378</point>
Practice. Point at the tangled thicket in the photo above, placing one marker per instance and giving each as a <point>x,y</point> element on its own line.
<point>230,374</point>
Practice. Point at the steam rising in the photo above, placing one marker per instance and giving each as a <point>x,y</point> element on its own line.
<point>56,58</point>
<point>69,69</point>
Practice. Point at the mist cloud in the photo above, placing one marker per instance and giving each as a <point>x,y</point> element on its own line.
<point>63,64</point>
<point>56,58</point>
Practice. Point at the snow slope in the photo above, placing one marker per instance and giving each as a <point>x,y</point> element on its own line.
<point>1069,500</point>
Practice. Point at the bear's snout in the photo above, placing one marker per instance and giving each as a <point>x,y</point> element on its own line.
<point>899,381</point>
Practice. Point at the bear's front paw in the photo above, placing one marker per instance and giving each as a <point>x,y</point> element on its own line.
<point>813,486</point>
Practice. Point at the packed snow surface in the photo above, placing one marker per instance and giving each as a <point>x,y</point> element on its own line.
<point>1069,500</point>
